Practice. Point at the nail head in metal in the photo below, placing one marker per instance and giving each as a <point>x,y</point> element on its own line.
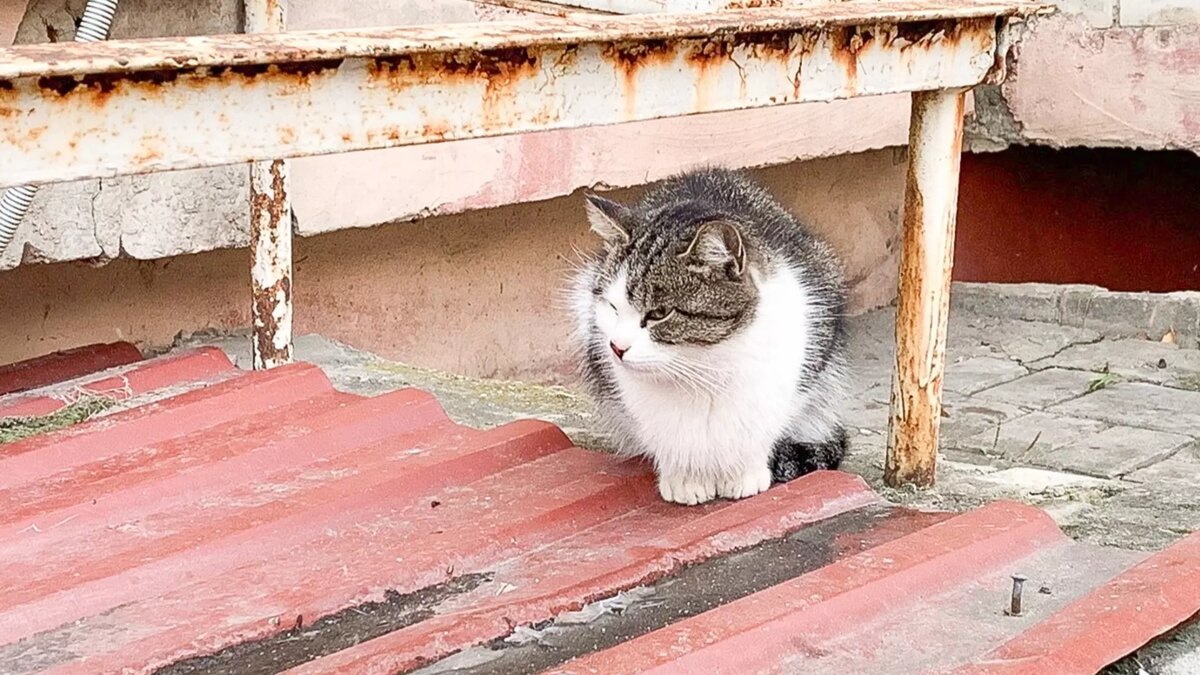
<point>1014,608</point>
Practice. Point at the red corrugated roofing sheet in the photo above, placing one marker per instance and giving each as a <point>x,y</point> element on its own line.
<point>106,378</point>
<point>66,365</point>
<point>265,522</point>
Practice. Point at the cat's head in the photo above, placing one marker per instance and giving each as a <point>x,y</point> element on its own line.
<point>672,284</point>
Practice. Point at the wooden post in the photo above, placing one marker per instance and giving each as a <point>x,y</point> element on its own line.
<point>923,304</point>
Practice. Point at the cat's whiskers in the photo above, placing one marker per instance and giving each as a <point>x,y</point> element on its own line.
<point>687,373</point>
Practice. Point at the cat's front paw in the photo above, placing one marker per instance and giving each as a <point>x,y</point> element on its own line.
<point>683,489</point>
<point>749,483</point>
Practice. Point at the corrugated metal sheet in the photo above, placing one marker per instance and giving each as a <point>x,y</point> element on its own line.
<point>264,522</point>
<point>62,366</point>
<point>111,371</point>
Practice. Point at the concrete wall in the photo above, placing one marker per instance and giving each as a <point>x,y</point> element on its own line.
<point>1100,73</point>
<point>476,293</point>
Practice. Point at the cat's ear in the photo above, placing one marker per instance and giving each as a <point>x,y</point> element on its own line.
<point>718,244</point>
<point>608,219</point>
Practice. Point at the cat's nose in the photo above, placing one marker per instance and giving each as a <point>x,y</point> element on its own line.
<point>619,351</point>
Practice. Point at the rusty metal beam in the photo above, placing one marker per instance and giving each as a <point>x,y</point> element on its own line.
<point>270,230</point>
<point>923,301</point>
<point>546,7</point>
<point>73,112</point>
<point>655,6</point>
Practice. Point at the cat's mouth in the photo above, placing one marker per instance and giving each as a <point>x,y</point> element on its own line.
<point>644,370</point>
<point>632,364</point>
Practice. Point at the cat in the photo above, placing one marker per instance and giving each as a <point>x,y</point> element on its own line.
<point>711,332</point>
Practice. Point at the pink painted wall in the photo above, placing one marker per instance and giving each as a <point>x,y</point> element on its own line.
<point>1132,85</point>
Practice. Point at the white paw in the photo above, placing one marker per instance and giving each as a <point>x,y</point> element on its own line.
<point>749,483</point>
<point>684,489</point>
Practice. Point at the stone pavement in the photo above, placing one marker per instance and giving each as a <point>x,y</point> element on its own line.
<point>1081,401</point>
<point>1101,429</point>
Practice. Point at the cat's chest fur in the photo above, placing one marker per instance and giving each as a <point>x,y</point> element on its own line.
<point>752,392</point>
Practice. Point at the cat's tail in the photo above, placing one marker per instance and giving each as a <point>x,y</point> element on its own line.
<point>792,459</point>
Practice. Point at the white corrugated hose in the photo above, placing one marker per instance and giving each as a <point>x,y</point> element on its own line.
<point>93,27</point>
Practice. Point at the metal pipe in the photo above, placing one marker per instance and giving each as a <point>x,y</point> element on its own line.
<point>93,27</point>
<point>270,231</point>
<point>923,301</point>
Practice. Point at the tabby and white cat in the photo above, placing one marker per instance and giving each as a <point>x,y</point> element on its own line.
<point>712,336</point>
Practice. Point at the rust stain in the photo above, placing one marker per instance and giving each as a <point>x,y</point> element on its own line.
<point>503,70</point>
<point>702,57</point>
<point>915,416</point>
<point>925,34</point>
<point>710,52</point>
<point>438,129</point>
<point>300,73</point>
<point>846,43</point>
<point>265,324</point>
<point>629,57</point>
<point>776,45</point>
<point>99,87</point>
<point>273,206</point>
<point>147,155</point>
<point>267,213</point>
<point>390,66</point>
<point>499,70</point>
<point>149,150</point>
<point>753,4</point>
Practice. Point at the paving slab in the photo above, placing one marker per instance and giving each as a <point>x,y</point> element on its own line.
<point>971,375</point>
<point>1020,341</point>
<point>869,409</point>
<point>1140,405</point>
<point>1038,481</point>
<point>1137,360</point>
<point>964,417</point>
<point>1110,453</point>
<point>1180,470</point>
<point>1025,341</point>
<point>1036,432</point>
<point>1041,389</point>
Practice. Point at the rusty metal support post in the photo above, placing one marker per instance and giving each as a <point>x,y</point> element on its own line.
<point>270,231</point>
<point>923,303</point>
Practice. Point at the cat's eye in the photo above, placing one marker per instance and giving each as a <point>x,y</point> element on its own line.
<point>656,315</point>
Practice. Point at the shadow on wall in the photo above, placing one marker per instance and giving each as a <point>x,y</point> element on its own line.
<point>1127,220</point>
<point>475,293</point>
